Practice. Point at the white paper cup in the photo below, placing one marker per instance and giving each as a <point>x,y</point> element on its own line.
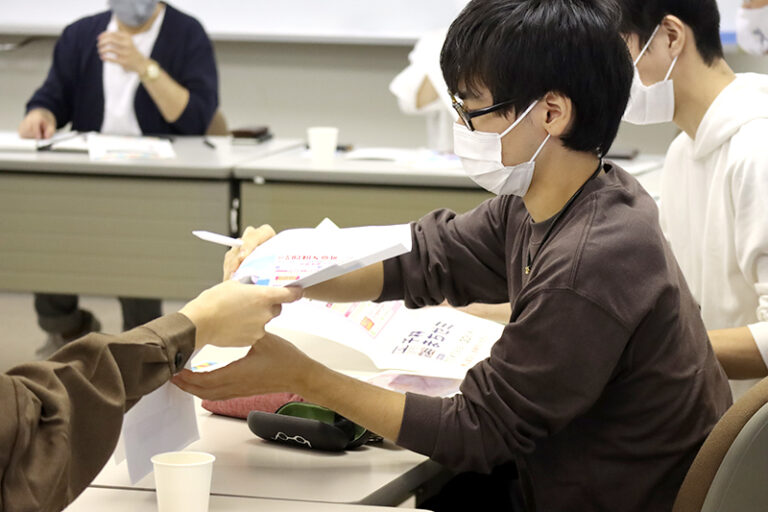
<point>183,481</point>
<point>322,144</point>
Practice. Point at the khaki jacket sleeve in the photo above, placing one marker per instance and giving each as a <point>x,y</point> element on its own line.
<point>60,419</point>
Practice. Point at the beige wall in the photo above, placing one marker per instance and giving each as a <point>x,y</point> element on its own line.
<point>292,86</point>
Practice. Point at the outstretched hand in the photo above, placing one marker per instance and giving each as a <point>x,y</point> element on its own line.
<point>272,365</point>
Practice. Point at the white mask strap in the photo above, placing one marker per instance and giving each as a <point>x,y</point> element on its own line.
<point>645,48</point>
<point>540,148</point>
<point>671,68</point>
<point>519,119</point>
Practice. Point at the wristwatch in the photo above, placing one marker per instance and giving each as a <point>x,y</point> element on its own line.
<point>151,72</point>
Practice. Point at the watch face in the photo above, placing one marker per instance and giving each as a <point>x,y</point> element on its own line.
<point>153,70</point>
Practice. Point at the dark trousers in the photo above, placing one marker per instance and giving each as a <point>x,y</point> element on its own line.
<point>60,313</point>
<point>498,491</point>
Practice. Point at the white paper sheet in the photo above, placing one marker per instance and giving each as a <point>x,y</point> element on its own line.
<point>61,141</point>
<point>10,141</point>
<point>162,421</point>
<point>305,257</point>
<point>115,148</point>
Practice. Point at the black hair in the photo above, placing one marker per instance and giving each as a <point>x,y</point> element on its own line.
<point>642,16</point>
<point>523,49</point>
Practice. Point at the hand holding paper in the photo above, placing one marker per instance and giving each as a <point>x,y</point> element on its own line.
<point>39,123</point>
<point>232,314</point>
<point>252,238</point>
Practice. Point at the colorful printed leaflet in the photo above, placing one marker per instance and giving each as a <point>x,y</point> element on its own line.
<point>305,257</point>
<point>437,341</point>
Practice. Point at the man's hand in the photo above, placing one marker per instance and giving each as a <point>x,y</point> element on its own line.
<point>271,366</point>
<point>274,365</point>
<point>252,238</point>
<point>755,4</point>
<point>39,123</point>
<point>118,47</point>
<point>233,314</point>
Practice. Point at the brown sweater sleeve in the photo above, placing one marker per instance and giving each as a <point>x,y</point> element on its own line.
<point>446,245</point>
<point>60,419</point>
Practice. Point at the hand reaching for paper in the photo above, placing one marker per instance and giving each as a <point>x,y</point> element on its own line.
<point>274,365</point>
<point>252,238</point>
<point>233,314</point>
<point>271,366</point>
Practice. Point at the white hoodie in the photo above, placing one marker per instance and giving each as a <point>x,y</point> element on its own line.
<point>425,63</point>
<point>714,208</point>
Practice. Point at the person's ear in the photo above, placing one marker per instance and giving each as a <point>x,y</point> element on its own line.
<point>558,113</point>
<point>674,36</point>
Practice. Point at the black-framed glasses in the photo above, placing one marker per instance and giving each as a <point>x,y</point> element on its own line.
<point>467,115</point>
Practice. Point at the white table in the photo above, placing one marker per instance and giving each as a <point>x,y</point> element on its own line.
<point>247,466</point>
<point>114,228</point>
<point>287,190</point>
<point>296,166</point>
<point>194,159</point>
<point>96,499</point>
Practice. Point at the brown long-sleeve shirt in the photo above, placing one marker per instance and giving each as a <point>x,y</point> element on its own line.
<point>603,384</point>
<point>60,419</point>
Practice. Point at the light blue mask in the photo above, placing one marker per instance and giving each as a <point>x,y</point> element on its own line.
<point>133,13</point>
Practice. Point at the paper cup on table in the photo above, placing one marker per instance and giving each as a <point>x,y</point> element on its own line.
<point>183,481</point>
<point>322,144</point>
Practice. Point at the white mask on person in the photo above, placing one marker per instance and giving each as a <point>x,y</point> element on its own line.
<point>651,104</point>
<point>481,157</point>
<point>752,30</point>
<point>133,13</point>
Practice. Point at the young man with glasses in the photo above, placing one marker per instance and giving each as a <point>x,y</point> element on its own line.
<point>603,384</point>
<point>714,196</point>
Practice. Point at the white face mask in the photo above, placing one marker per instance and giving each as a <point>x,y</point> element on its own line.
<point>651,104</point>
<point>752,30</point>
<point>481,154</point>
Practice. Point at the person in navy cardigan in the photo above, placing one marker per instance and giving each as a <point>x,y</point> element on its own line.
<point>144,48</point>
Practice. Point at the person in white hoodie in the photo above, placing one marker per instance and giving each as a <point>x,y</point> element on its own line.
<point>714,199</point>
<point>420,88</point>
<point>752,27</point>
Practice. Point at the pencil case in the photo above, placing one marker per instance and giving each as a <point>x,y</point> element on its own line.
<point>310,426</point>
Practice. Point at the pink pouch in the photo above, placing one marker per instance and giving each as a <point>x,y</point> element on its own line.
<point>240,407</point>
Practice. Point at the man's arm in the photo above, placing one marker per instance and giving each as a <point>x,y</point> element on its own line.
<point>170,97</point>
<point>60,419</point>
<point>50,107</point>
<point>738,354</point>
<point>360,285</point>
<point>187,101</point>
<point>458,258</point>
<point>501,410</point>
<point>743,351</point>
<point>274,365</point>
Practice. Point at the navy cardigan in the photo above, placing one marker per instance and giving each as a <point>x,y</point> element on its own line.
<point>74,88</point>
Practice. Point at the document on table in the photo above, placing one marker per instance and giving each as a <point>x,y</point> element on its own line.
<point>305,257</point>
<point>436,341</point>
<point>117,148</point>
<point>61,141</point>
